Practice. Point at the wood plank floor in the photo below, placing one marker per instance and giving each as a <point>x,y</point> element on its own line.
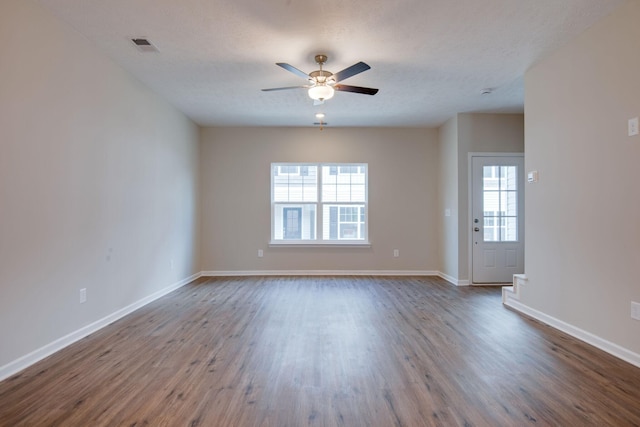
<point>325,351</point>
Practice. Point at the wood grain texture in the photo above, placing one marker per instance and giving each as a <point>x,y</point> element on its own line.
<point>325,351</point>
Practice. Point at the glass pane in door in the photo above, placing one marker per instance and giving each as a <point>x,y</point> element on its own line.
<point>500,203</point>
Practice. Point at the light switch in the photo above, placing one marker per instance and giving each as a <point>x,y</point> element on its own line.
<point>532,176</point>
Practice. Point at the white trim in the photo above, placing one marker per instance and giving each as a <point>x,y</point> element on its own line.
<point>508,292</point>
<point>319,244</point>
<point>320,273</point>
<point>513,291</point>
<point>453,280</point>
<point>589,338</point>
<point>27,360</point>
<point>480,285</point>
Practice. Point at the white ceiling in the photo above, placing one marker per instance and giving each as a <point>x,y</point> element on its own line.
<point>429,58</point>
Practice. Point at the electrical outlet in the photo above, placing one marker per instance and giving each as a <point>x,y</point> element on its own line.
<point>260,253</point>
<point>83,295</point>
<point>635,310</point>
<point>396,253</point>
<point>633,126</point>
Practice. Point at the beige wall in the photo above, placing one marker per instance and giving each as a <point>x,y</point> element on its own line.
<point>448,198</point>
<point>490,133</point>
<point>235,165</point>
<point>582,224</point>
<point>467,133</point>
<point>97,184</point>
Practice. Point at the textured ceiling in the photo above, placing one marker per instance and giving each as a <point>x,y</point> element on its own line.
<point>429,58</point>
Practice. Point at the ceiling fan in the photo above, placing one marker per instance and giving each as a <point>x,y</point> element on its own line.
<point>323,84</point>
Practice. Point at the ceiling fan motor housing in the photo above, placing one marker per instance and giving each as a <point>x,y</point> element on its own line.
<point>320,76</point>
<point>321,59</point>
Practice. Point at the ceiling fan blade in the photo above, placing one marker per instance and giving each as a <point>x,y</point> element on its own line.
<point>294,70</point>
<point>356,89</point>
<point>351,71</point>
<point>285,88</point>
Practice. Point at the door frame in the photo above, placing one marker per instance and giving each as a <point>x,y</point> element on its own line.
<point>469,227</point>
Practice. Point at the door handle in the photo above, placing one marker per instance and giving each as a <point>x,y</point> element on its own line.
<point>476,229</point>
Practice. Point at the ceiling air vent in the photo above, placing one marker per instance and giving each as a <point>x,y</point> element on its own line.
<point>144,45</point>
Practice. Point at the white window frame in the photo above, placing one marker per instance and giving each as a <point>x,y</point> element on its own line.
<point>318,233</point>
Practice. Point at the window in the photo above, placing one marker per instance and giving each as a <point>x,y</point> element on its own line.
<point>500,194</point>
<point>319,203</point>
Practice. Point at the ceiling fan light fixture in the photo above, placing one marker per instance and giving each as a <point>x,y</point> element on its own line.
<point>321,92</point>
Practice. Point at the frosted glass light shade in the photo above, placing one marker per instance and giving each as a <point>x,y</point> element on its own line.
<point>321,92</point>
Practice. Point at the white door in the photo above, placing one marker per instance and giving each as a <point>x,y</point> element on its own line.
<point>497,207</point>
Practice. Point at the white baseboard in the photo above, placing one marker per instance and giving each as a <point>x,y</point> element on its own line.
<point>589,338</point>
<point>453,280</point>
<point>320,273</point>
<point>444,276</point>
<point>27,360</point>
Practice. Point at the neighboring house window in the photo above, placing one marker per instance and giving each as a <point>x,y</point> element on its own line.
<point>319,203</point>
<point>288,170</point>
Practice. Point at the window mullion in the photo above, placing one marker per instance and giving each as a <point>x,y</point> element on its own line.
<point>319,204</point>
<point>500,216</point>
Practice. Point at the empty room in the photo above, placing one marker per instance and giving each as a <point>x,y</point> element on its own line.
<point>286,213</point>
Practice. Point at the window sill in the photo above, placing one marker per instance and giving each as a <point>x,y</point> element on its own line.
<point>309,244</point>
